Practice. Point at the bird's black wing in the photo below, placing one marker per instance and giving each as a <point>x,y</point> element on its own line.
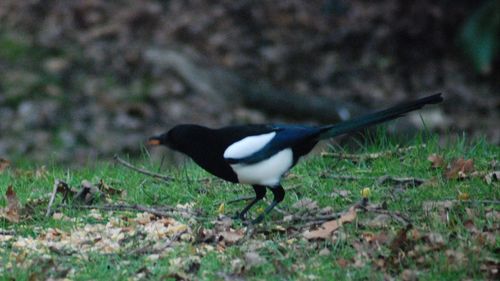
<point>287,136</point>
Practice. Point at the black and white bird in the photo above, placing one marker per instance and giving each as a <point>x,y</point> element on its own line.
<point>260,155</point>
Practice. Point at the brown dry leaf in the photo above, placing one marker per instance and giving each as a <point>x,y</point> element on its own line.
<point>494,215</point>
<point>437,161</point>
<point>231,236</point>
<point>4,163</point>
<point>343,263</point>
<point>460,169</point>
<point>60,216</point>
<point>409,275</point>
<point>400,241</point>
<point>253,259</point>
<point>341,193</point>
<point>455,257</point>
<point>491,267</point>
<point>435,239</point>
<point>11,212</point>
<point>326,229</point>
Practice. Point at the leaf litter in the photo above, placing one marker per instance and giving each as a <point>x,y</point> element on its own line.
<point>12,211</point>
<point>154,235</point>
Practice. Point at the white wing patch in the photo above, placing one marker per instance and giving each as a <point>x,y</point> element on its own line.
<point>248,146</point>
<point>267,172</point>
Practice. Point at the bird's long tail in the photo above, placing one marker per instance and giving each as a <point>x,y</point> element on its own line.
<point>365,121</point>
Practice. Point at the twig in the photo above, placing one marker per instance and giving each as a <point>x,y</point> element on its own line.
<point>319,219</point>
<point>52,198</point>
<point>381,179</point>
<point>370,156</point>
<point>142,171</point>
<point>393,214</point>
<point>347,177</point>
<point>494,202</point>
<point>403,180</point>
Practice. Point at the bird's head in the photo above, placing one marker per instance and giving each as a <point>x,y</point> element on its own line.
<point>162,139</point>
<point>180,137</point>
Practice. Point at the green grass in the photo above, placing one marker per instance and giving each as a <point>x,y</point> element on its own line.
<point>287,254</point>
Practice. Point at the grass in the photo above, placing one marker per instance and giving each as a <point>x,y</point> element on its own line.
<point>287,254</point>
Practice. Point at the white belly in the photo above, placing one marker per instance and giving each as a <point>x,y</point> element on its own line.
<point>267,172</point>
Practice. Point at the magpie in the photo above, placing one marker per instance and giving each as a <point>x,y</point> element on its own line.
<point>259,155</point>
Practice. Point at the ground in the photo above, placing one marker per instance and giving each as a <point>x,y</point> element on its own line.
<point>418,212</point>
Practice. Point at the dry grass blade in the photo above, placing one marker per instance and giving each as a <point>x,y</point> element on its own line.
<point>382,179</point>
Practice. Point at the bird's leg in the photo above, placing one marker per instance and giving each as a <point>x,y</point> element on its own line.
<point>260,192</point>
<point>279,194</point>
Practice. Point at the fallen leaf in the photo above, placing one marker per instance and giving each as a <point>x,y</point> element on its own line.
<point>60,216</point>
<point>176,229</point>
<point>491,267</point>
<point>326,229</point>
<point>253,259</point>
<point>400,242</point>
<point>381,220</point>
<point>342,262</point>
<point>435,239</point>
<point>324,252</point>
<point>4,164</point>
<point>469,225</point>
<point>491,177</point>
<point>494,215</point>
<point>456,258</point>
<point>428,206</point>
<point>460,169</point>
<point>231,237</point>
<point>463,196</point>
<point>436,161</point>
<point>306,203</point>
<point>409,275</point>
<point>11,212</point>
<point>220,210</point>
<point>237,266</point>
<point>341,193</point>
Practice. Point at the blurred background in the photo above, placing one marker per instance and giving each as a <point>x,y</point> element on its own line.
<point>82,80</point>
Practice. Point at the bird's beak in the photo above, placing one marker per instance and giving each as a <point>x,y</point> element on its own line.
<point>153,141</point>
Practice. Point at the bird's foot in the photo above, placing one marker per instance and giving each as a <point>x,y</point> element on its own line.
<point>247,222</point>
<point>258,219</point>
<point>239,216</point>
